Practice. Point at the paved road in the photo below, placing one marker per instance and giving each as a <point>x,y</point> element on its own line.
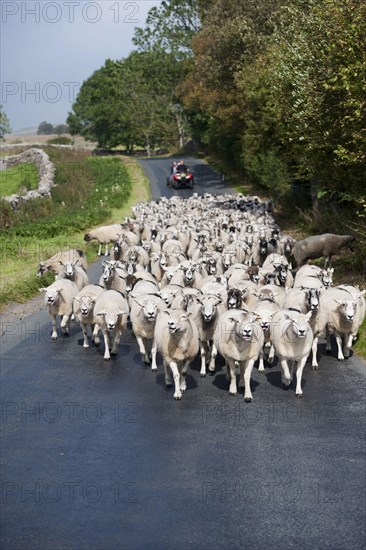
<point>98,455</point>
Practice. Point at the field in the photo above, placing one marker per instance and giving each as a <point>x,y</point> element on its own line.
<point>90,191</point>
<point>18,179</point>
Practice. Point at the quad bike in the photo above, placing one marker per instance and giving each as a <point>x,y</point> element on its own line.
<point>182,178</point>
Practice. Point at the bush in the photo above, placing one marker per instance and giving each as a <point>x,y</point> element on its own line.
<point>61,140</point>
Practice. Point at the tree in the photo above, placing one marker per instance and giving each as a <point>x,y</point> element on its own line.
<point>4,123</point>
<point>130,102</point>
<point>61,129</point>
<point>45,128</point>
<point>170,27</point>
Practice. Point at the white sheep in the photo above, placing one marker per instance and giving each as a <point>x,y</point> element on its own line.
<point>176,338</point>
<point>205,313</point>
<point>104,235</point>
<point>110,314</point>
<point>83,308</point>
<point>239,339</point>
<point>53,263</point>
<point>71,271</point>
<point>113,276</point>
<point>58,301</point>
<point>265,309</point>
<point>343,313</point>
<point>143,313</point>
<point>292,339</point>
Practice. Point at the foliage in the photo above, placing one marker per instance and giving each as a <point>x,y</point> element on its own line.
<point>61,140</point>
<point>45,129</point>
<point>18,179</point>
<point>282,83</point>
<point>170,27</point>
<point>61,129</point>
<point>130,102</point>
<point>4,123</point>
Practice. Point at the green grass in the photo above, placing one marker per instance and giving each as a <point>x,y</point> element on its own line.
<point>19,179</point>
<point>104,178</point>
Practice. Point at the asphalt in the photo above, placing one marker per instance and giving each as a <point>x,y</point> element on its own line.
<point>98,455</point>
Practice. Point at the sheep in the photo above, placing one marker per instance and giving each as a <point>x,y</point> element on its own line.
<point>317,246</point>
<point>205,314</point>
<point>104,235</point>
<point>187,274</point>
<point>113,276</point>
<point>58,301</point>
<point>143,313</point>
<point>83,308</point>
<point>110,314</point>
<point>324,275</point>
<point>292,339</point>
<point>176,338</point>
<point>239,339</point>
<point>53,263</point>
<point>74,273</point>
<point>274,293</point>
<point>343,312</point>
<point>265,309</point>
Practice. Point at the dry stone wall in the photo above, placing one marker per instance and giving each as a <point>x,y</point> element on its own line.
<point>46,172</point>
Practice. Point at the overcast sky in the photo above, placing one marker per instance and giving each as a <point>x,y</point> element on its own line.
<point>48,48</point>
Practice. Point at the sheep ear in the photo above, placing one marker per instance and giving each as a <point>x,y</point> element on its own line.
<point>43,289</point>
<point>61,263</point>
<point>339,302</point>
<point>362,293</point>
<point>308,316</point>
<point>101,313</point>
<point>77,299</point>
<point>121,312</point>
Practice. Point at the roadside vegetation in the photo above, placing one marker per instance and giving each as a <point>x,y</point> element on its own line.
<point>18,179</point>
<point>90,191</point>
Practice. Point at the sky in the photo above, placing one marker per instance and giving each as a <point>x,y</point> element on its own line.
<point>48,48</point>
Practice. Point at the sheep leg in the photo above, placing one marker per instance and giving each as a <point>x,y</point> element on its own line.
<point>106,249</point>
<point>261,361</point>
<point>85,335</point>
<point>183,385</point>
<point>54,327</point>
<point>246,368</point>
<point>142,347</point>
<point>232,370</point>
<point>203,349</point>
<point>314,363</point>
<point>339,345</point>
<point>285,376</point>
<point>328,344</point>
<point>347,344</point>
<point>65,322</point>
<point>106,345</point>
<point>116,341</point>
<point>96,338</point>
<point>211,366</point>
<point>271,355</point>
<point>300,368</point>
<point>154,366</point>
<point>100,249</point>
<point>176,377</point>
<point>168,378</point>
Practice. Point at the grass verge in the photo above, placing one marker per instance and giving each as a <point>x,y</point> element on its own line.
<point>20,251</point>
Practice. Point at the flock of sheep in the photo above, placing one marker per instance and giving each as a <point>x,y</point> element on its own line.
<point>208,275</point>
